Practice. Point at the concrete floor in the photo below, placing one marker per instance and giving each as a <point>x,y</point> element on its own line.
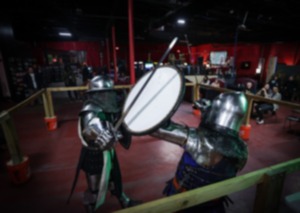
<point>146,166</point>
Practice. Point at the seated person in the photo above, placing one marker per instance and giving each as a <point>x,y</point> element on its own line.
<point>274,82</point>
<point>249,89</point>
<point>265,107</point>
<point>264,92</point>
<point>205,81</point>
<point>216,83</point>
<point>211,94</point>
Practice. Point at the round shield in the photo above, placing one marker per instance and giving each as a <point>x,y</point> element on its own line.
<point>157,101</point>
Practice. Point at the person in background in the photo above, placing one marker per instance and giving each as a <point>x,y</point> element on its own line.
<point>85,74</point>
<point>265,107</point>
<point>216,83</point>
<point>100,112</point>
<point>265,92</point>
<point>205,81</point>
<point>249,89</point>
<point>32,84</point>
<point>275,82</point>
<point>79,82</point>
<point>70,81</point>
<point>289,89</point>
<point>39,75</point>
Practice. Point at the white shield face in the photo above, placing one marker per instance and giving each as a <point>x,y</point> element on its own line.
<point>157,102</point>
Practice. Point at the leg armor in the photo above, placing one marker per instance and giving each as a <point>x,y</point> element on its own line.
<point>116,185</point>
<point>90,195</point>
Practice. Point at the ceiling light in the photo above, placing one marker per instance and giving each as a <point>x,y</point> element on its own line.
<point>161,28</point>
<point>66,34</point>
<point>180,21</point>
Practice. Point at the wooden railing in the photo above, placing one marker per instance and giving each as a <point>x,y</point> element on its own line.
<point>250,99</point>
<point>10,132</point>
<point>269,181</point>
<point>9,129</point>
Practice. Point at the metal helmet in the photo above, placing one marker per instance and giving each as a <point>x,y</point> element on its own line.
<point>100,83</point>
<point>227,111</point>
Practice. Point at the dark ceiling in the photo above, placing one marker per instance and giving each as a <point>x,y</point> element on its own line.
<point>154,20</point>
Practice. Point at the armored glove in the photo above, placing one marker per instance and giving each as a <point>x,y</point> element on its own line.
<point>107,137</point>
<point>100,133</point>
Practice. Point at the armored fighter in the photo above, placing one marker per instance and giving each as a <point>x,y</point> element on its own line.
<point>95,127</point>
<point>213,151</point>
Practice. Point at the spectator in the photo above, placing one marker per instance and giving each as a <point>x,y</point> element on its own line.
<point>216,83</point>
<point>249,89</point>
<point>265,107</point>
<point>211,94</point>
<point>39,75</point>
<point>289,89</point>
<point>265,91</point>
<point>274,82</point>
<point>32,84</point>
<point>205,81</point>
<point>85,74</point>
<point>70,81</point>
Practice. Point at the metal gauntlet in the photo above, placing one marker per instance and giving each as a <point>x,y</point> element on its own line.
<point>99,133</point>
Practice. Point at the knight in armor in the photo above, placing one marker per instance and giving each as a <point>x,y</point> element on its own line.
<point>213,151</point>
<point>95,127</point>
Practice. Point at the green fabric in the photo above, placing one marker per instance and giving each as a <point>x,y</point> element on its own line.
<point>101,116</point>
<point>107,155</point>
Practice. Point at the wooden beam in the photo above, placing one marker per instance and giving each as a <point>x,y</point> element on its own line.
<point>26,101</point>
<point>46,105</point>
<point>197,196</point>
<point>11,138</point>
<point>268,193</point>
<point>50,103</point>
<point>249,111</point>
<point>254,97</point>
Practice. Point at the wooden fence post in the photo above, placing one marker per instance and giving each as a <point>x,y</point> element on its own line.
<point>268,193</point>
<point>18,167</point>
<point>246,127</point>
<point>50,118</point>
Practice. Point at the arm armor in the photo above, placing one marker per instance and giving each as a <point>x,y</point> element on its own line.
<point>90,127</point>
<point>206,147</point>
<point>174,133</point>
<point>200,150</point>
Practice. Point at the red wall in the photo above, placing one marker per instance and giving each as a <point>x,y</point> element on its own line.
<point>156,51</point>
<point>244,52</point>
<point>287,53</point>
<point>92,49</point>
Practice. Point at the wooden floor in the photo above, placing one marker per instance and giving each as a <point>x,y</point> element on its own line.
<point>146,166</point>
